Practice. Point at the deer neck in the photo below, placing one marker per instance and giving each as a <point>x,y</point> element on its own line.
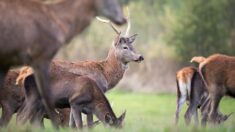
<point>113,69</point>
<point>73,16</point>
<point>102,107</point>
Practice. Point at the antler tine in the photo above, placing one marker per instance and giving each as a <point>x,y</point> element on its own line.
<point>128,22</point>
<point>110,23</point>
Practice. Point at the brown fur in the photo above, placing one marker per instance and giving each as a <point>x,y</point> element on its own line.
<point>78,92</point>
<point>12,97</point>
<point>183,80</point>
<point>193,90</point>
<point>24,72</point>
<point>198,59</point>
<point>185,73</point>
<point>32,32</point>
<point>218,73</point>
<point>106,73</point>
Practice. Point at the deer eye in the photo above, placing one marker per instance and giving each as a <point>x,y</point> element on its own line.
<point>122,41</point>
<point>125,48</point>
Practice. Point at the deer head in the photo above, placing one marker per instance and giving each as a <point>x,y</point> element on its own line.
<point>115,122</point>
<point>110,9</point>
<point>123,44</point>
<point>124,50</point>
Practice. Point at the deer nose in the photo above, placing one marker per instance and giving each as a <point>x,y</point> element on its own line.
<point>120,21</point>
<point>141,58</point>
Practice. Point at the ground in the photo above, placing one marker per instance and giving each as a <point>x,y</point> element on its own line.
<point>146,112</point>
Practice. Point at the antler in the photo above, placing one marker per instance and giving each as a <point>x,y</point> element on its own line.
<point>110,23</point>
<point>128,22</point>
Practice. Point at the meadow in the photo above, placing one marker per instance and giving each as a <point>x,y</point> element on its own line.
<point>145,112</point>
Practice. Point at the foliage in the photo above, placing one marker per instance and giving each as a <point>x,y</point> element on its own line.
<point>203,28</point>
<point>169,32</point>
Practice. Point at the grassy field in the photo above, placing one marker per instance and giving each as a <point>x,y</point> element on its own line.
<point>146,112</point>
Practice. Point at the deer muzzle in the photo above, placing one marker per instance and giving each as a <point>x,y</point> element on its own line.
<point>140,58</point>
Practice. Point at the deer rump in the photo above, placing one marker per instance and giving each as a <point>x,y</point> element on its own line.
<point>218,70</point>
<point>193,91</point>
<point>218,74</point>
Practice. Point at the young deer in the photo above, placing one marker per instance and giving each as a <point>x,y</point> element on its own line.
<point>217,72</point>
<point>32,32</point>
<point>80,93</point>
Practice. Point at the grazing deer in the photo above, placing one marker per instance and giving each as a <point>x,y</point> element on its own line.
<point>31,32</point>
<point>190,87</point>
<point>13,95</point>
<point>106,73</point>
<point>80,93</point>
<point>217,71</point>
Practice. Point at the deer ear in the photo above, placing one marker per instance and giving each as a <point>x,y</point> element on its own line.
<point>121,118</point>
<point>132,38</point>
<point>108,119</point>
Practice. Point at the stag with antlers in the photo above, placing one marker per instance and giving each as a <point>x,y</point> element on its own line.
<point>31,33</point>
<point>106,73</point>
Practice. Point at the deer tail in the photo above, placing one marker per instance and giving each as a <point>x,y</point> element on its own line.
<point>200,71</point>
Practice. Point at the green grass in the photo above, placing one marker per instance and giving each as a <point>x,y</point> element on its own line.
<point>146,112</point>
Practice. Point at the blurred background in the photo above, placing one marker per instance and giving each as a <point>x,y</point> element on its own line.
<point>170,33</point>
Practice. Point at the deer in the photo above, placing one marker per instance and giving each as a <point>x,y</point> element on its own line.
<point>32,32</point>
<point>12,97</point>
<point>217,74</point>
<point>106,73</point>
<point>191,88</point>
<point>18,79</point>
<point>80,93</point>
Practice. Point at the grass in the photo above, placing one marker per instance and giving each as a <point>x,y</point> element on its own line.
<point>146,112</point>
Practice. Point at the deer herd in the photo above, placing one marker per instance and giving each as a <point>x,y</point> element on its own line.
<point>204,87</point>
<point>31,33</point>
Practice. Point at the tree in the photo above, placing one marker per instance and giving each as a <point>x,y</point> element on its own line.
<point>203,28</point>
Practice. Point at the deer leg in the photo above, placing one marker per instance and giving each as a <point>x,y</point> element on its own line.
<point>37,118</point>
<point>190,111</point>
<point>215,99</point>
<point>205,108</point>
<point>196,117</point>
<point>180,102</point>
<point>42,77</point>
<point>77,115</point>
<point>2,77</point>
<point>7,113</point>
<point>71,120</point>
<point>20,115</point>
<point>89,119</point>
